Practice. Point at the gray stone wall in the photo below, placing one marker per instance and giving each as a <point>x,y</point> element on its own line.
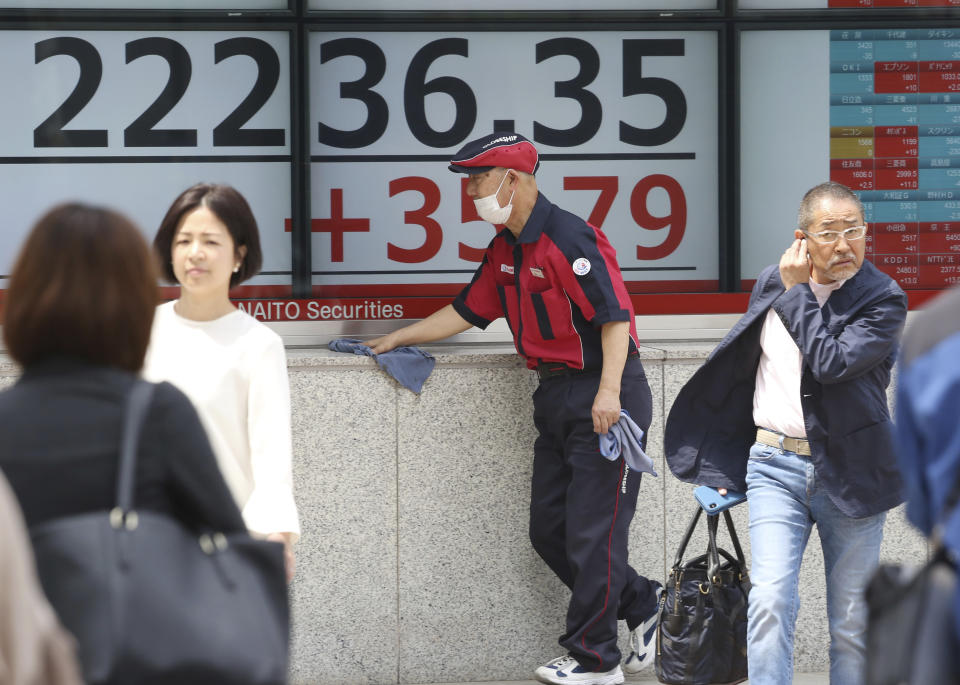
<point>414,565</point>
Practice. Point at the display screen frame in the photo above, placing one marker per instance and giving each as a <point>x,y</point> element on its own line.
<point>724,278</point>
<point>291,159</point>
<point>138,14</point>
<point>812,9</point>
<point>604,9</point>
<point>728,20</point>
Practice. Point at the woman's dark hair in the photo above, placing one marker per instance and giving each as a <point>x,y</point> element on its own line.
<point>231,208</point>
<point>84,286</point>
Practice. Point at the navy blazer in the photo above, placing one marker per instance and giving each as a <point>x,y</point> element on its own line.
<point>848,349</point>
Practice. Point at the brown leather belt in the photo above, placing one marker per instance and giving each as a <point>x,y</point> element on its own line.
<point>551,369</point>
<point>773,439</point>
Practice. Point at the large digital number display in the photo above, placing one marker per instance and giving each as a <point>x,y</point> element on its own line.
<point>131,118</point>
<point>625,123</point>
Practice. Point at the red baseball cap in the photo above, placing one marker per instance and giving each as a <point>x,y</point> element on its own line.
<point>500,149</point>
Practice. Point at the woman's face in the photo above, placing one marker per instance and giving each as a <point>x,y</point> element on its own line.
<point>203,253</point>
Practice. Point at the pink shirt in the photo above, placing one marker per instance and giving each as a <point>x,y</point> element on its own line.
<point>776,395</point>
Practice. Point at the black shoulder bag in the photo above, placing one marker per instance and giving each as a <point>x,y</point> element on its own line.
<point>702,631</point>
<point>911,630</point>
<point>151,602</point>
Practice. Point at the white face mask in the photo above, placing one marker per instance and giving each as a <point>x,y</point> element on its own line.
<point>489,208</point>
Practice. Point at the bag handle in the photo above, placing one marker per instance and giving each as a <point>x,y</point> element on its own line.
<point>713,522</point>
<point>135,411</point>
<point>713,554</point>
<point>686,536</point>
<point>713,557</point>
<point>734,539</point>
<point>702,560</point>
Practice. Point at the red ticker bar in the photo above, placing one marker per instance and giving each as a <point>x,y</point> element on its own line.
<point>900,164</point>
<point>851,164</point>
<point>857,179</point>
<point>897,179</point>
<point>940,237</point>
<point>896,77</point>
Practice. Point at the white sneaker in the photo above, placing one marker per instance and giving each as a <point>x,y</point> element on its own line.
<point>566,669</point>
<point>642,642</point>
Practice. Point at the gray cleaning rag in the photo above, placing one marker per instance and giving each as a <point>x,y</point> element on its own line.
<point>411,366</point>
<point>625,437</point>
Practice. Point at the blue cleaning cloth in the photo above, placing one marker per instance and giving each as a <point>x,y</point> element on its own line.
<point>411,366</point>
<point>625,437</point>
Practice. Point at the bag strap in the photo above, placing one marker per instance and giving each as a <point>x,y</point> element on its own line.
<point>734,539</point>
<point>713,555</point>
<point>135,410</point>
<point>686,536</point>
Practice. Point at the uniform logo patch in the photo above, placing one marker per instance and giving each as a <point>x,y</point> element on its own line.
<point>581,267</point>
<point>501,139</point>
<point>536,271</point>
<point>506,268</point>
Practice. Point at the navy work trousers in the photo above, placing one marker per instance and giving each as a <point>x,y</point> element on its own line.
<point>581,506</point>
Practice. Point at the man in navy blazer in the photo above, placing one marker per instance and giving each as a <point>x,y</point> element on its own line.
<point>791,408</point>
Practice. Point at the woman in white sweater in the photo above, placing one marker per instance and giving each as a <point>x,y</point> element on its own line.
<point>232,367</point>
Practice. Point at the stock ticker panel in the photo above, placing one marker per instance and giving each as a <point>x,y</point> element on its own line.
<point>895,139</point>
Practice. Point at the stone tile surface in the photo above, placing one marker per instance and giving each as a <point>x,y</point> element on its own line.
<point>414,512</point>
<point>468,575</point>
<point>344,596</point>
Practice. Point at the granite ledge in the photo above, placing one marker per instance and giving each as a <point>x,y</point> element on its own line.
<point>475,355</point>
<point>682,349</point>
<point>479,355</point>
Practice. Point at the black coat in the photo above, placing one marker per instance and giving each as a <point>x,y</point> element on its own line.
<point>848,349</point>
<point>60,441</point>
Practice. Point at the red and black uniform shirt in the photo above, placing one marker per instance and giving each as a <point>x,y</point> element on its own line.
<point>556,284</point>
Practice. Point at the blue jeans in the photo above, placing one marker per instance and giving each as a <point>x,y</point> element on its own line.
<point>785,499</point>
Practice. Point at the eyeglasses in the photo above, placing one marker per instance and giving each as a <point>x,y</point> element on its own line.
<point>830,237</point>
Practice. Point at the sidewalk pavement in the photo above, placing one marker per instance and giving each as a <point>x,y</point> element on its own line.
<point>650,679</point>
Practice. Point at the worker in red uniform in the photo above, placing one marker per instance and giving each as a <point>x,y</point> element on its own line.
<point>556,280</point>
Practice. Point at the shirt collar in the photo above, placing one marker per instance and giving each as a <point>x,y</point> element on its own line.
<point>822,291</point>
<point>533,229</point>
<point>827,288</point>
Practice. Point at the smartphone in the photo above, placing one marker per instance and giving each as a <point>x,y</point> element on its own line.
<point>713,502</point>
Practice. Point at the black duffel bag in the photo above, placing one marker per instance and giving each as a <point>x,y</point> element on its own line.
<point>702,631</point>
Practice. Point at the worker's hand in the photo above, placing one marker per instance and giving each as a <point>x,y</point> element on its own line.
<point>606,410</point>
<point>794,264</point>
<point>384,343</point>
